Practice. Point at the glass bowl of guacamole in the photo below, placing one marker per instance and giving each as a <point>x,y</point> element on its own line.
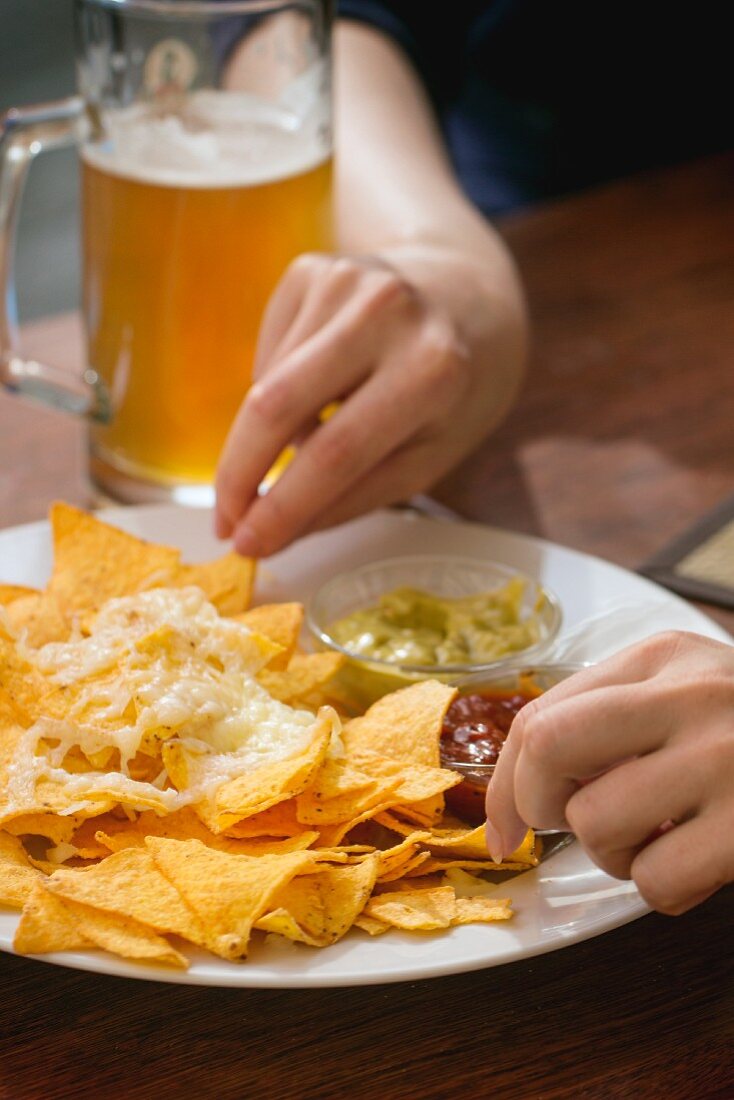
<point>432,616</point>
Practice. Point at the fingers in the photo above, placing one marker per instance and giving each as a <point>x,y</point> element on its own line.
<point>419,378</point>
<point>277,407</point>
<point>398,368</point>
<point>311,293</point>
<point>642,772</point>
<point>505,827</point>
<point>321,337</point>
<point>556,744</point>
<point>579,738</point>
<point>617,819</point>
<point>340,452</point>
<point>686,864</point>
<point>635,663</point>
<point>400,475</point>
<point>284,306</point>
<point>618,814</point>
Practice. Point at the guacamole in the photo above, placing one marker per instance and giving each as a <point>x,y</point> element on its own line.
<point>414,627</point>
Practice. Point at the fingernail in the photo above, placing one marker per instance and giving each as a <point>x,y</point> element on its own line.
<point>495,844</point>
<point>246,541</point>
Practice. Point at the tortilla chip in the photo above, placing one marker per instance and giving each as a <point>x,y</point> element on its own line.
<point>96,837</point>
<point>404,726</point>
<point>423,815</point>
<point>11,592</point>
<point>124,936</point>
<point>332,835</point>
<point>420,910</point>
<point>306,676</point>
<point>462,842</point>
<point>305,899</point>
<point>226,582</point>
<point>94,562</point>
<point>46,924</point>
<point>281,622</point>
<point>11,733</point>
<point>10,713</point>
<point>416,782</point>
<point>279,820</point>
<point>405,848</point>
<point>116,842</point>
<point>339,793</point>
<point>101,794</point>
<point>258,790</point>
<point>481,910</point>
<point>392,860</point>
<point>37,619</point>
<point>123,870</point>
<point>255,650</point>
<point>419,791</point>
<point>319,909</point>
<point>410,867</point>
<point>185,825</point>
<point>472,844</point>
<point>57,829</point>
<point>371,925</point>
<point>48,799</point>
<point>25,689</point>
<point>43,928</point>
<point>228,893</point>
<point>466,885</point>
<point>17,875</point>
<point>130,884</point>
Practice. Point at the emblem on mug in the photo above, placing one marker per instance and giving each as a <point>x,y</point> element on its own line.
<point>170,68</point>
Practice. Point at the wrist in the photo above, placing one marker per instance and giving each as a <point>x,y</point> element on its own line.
<point>482,295</point>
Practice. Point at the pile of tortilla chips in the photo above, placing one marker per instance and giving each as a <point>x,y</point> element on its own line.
<point>348,831</point>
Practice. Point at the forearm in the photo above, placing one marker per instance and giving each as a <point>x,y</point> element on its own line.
<point>397,197</point>
<point>395,183</point>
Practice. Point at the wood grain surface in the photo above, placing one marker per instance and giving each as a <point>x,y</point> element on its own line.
<point>625,431</point>
<point>624,435</point>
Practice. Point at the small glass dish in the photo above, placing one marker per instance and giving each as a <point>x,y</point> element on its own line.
<point>444,575</point>
<point>466,800</point>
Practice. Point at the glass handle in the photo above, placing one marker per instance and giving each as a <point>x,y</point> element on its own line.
<point>25,132</point>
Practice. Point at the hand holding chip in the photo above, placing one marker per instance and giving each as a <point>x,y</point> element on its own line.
<point>416,392</point>
<point>636,756</point>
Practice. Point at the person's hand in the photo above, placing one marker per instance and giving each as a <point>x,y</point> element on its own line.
<point>636,757</point>
<point>416,393</point>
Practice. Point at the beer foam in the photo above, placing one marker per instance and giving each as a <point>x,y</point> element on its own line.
<point>213,139</point>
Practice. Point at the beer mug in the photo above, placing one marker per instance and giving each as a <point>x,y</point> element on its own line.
<point>204,129</point>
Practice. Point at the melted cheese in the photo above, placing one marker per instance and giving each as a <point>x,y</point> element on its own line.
<point>157,666</point>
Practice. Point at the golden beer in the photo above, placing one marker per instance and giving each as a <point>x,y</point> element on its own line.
<point>176,278</point>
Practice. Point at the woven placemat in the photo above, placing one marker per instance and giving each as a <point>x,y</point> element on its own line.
<point>700,563</point>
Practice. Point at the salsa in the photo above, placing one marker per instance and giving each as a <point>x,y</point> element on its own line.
<point>419,628</point>
<point>474,730</point>
<point>476,726</point>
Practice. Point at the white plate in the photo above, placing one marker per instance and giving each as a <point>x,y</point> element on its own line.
<point>566,899</point>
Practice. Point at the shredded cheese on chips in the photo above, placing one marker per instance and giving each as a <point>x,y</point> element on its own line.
<point>157,666</point>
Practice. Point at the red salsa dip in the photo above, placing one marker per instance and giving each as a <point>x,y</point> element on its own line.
<point>474,730</point>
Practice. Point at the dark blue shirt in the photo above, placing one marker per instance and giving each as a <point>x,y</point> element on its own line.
<point>537,98</point>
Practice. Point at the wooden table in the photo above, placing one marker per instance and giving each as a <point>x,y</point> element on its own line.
<point>623,437</point>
